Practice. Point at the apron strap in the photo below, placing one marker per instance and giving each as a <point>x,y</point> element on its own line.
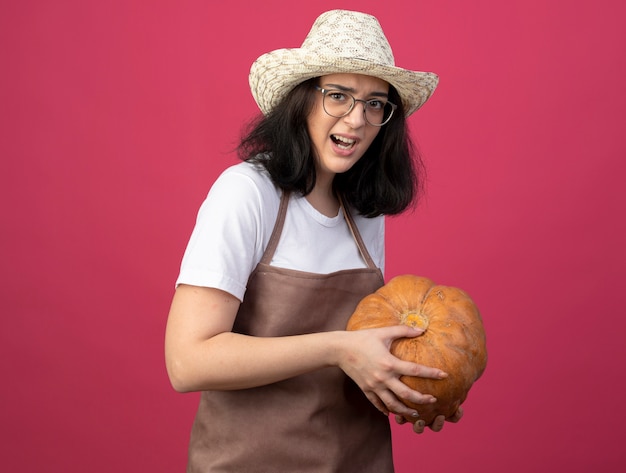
<point>278,229</point>
<point>357,236</point>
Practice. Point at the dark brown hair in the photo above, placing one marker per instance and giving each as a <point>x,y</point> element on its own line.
<point>385,181</point>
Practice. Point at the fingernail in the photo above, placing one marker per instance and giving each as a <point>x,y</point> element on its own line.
<point>415,414</point>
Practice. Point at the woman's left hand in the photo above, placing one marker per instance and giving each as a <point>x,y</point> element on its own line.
<point>436,425</point>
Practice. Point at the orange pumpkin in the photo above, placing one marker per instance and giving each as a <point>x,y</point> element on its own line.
<point>453,341</point>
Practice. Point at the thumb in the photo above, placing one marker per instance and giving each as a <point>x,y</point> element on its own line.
<point>405,331</point>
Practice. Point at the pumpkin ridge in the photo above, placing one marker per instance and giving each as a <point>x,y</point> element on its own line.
<point>409,310</point>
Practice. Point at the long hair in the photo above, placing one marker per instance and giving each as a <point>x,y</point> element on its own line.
<point>387,179</point>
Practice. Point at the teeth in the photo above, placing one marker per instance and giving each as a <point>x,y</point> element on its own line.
<point>347,142</point>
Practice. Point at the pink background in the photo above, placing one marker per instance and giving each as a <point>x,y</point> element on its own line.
<point>118,115</point>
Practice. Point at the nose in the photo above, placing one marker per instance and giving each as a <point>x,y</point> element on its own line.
<point>356,117</point>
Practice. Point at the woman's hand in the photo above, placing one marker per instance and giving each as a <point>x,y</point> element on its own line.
<point>377,372</point>
<point>437,424</point>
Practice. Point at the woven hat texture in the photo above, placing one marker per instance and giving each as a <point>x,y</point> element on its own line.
<point>340,41</point>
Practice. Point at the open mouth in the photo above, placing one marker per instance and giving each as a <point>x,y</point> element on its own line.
<point>343,142</point>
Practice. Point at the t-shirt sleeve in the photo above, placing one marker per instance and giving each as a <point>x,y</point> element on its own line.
<point>228,238</point>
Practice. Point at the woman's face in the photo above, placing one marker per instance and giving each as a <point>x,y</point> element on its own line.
<point>340,142</point>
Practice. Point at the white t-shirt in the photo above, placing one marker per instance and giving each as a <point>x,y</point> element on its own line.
<point>235,222</point>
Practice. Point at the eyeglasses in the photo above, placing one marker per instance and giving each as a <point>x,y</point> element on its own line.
<point>338,103</point>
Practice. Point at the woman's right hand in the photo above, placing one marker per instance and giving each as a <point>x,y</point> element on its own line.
<point>202,353</point>
<point>367,359</point>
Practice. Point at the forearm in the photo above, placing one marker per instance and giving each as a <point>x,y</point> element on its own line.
<point>233,361</point>
<point>203,354</point>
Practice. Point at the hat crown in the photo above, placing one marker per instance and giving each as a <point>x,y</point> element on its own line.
<point>349,34</point>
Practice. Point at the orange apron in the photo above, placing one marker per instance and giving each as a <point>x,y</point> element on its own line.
<point>317,422</point>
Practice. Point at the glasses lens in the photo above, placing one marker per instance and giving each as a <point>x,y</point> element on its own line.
<point>378,113</point>
<point>337,104</point>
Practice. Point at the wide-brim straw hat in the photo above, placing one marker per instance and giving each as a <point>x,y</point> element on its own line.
<point>340,41</point>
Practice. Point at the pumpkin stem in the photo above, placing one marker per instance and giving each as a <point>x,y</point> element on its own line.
<point>414,319</point>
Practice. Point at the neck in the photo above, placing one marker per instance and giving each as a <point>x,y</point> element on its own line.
<point>324,200</point>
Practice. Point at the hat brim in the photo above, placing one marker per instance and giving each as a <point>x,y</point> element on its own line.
<point>274,74</point>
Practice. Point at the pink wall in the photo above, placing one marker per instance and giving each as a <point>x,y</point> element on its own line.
<point>116,117</point>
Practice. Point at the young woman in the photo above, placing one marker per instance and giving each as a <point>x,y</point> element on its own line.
<point>285,246</point>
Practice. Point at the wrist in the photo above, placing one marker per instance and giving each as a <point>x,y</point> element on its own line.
<point>338,352</point>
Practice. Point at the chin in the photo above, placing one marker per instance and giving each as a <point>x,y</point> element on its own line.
<point>340,168</point>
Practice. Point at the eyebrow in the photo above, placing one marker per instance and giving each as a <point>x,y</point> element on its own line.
<point>353,91</point>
